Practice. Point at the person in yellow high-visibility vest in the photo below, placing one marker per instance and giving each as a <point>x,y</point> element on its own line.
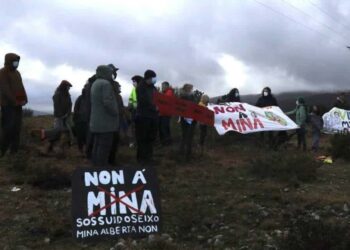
<point>132,108</point>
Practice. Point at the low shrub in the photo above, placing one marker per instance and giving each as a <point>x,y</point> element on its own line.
<point>284,165</point>
<point>306,233</point>
<point>340,146</point>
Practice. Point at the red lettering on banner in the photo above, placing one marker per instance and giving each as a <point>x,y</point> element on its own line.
<point>227,124</point>
<point>258,122</point>
<point>229,109</point>
<point>218,110</point>
<point>246,122</point>
<point>239,126</point>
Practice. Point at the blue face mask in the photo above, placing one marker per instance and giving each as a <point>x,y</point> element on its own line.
<point>15,64</point>
<point>154,80</point>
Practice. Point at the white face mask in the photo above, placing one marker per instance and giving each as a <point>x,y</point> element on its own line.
<point>266,93</point>
<point>15,64</point>
<point>154,80</point>
<point>236,94</point>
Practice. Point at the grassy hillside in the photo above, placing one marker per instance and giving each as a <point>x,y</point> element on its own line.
<point>238,195</point>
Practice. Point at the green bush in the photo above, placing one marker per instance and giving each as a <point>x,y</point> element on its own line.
<point>340,146</point>
<point>284,165</point>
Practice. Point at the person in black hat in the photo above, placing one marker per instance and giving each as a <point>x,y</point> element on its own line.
<point>146,120</point>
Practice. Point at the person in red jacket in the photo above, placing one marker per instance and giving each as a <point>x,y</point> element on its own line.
<point>164,121</point>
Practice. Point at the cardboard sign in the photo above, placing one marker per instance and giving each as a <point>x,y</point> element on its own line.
<point>173,106</point>
<point>115,203</point>
<point>336,121</point>
<point>245,118</point>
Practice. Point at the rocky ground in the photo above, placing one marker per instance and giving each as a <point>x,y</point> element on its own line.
<point>214,202</point>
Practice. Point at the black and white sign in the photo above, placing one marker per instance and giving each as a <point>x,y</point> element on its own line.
<point>115,202</point>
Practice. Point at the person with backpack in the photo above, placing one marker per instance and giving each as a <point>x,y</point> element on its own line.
<point>316,125</point>
<point>104,119</point>
<point>164,120</point>
<point>12,98</point>
<point>301,119</point>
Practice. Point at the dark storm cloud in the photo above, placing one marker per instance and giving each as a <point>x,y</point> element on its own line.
<point>185,44</point>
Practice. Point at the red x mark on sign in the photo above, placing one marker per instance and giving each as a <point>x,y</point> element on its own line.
<point>118,200</point>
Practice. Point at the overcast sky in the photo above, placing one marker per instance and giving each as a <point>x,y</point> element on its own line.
<point>216,45</point>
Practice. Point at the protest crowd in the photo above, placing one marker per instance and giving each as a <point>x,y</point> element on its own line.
<point>99,116</point>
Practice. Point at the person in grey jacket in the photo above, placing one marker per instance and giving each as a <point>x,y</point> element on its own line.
<point>104,119</point>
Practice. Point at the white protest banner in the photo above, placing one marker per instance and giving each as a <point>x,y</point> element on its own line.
<point>336,121</point>
<point>245,118</point>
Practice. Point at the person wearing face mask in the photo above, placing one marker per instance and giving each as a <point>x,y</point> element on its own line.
<point>12,98</point>
<point>146,121</point>
<point>104,120</point>
<point>188,125</point>
<point>301,117</point>
<point>266,100</point>
<point>232,96</point>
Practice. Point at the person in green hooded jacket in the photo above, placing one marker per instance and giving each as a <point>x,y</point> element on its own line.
<point>301,114</point>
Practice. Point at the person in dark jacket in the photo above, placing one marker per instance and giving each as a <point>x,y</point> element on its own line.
<point>164,120</point>
<point>12,97</point>
<point>132,105</point>
<point>266,100</point>
<point>122,122</point>
<point>62,105</point>
<point>341,102</point>
<point>89,137</point>
<point>316,126</point>
<point>81,120</point>
<point>104,119</point>
<point>188,125</point>
<point>232,96</point>
<point>146,118</point>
